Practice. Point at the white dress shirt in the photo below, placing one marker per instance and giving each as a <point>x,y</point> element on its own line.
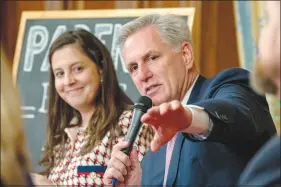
<point>199,116</point>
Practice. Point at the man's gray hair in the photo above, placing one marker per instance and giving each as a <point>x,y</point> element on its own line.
<point>173,29</point>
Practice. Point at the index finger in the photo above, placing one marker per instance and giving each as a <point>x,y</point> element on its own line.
<point>121,145</point>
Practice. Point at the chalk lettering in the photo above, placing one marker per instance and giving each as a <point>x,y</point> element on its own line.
<point>36,42</point>
<point>59,30</point>
<point>82,26</point>
<point>115,50</point>
<point>28,108</point>
<point>103,29</point>
<point>43,108</point>
<point>123,86</point>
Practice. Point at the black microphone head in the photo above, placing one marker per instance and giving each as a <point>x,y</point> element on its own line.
<point>143,103</point>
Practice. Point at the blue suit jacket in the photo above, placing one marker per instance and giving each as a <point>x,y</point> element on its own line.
<point>264,168</point>
<point>242,124</point>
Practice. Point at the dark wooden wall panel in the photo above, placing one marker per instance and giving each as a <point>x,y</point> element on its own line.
<point>11,15</point>
<point>9,28</point>
<point>99,5</point>
<point>227,43</point>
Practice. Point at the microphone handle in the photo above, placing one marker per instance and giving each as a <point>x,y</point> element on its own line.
<point>131,134</point>
<point>128,149</point>
<point>133,130</point>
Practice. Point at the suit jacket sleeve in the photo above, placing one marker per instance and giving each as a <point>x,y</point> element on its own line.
<point>238,113</point>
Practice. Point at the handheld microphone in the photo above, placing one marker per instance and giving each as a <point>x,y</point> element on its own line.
<point>140,108</point>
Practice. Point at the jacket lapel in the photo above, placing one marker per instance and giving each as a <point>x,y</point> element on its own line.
<point>174,164</point>
<point>173,168</point>
<point>195,93</point>
<point>154,165</point>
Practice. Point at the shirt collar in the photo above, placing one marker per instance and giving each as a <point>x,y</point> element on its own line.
<point>187,95</point>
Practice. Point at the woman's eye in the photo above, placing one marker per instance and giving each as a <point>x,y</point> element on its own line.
<point>78,69</point>
<point>59,74</point>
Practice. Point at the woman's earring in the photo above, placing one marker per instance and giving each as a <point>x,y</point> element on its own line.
<point>101,79</point>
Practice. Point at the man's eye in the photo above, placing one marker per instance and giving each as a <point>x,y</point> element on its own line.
<point>152,58</point>
<point>133,68</point>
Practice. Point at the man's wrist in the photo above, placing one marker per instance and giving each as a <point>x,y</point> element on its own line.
<point>203,136</point>
<point>201,125</point>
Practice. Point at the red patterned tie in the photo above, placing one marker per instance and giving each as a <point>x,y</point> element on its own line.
<point>169,151</point>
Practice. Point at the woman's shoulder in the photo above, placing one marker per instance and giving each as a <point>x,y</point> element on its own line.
<point>127,113</point>
<point>125,118</point>
<point>125,121</point>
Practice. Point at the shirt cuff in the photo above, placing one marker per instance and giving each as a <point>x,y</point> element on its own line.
<point>199,118</point>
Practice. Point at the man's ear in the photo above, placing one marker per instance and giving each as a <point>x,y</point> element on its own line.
<point>187,54</point>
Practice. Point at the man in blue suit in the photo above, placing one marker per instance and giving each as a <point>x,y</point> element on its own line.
<point>206,130</point>
<point>264,168</point>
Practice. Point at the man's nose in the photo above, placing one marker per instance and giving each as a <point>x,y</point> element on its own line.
<point>144,73</point>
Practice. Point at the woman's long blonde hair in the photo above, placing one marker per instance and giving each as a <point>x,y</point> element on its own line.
<point>14,158</point>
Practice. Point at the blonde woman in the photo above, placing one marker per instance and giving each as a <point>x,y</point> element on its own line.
<point>14,158</point>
